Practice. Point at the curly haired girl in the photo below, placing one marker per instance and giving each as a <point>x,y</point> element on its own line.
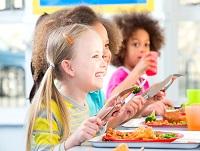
<point>142,35</point>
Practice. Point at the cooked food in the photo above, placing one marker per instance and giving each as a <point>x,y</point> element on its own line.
<point>161,123</point>
<point>139,134</point>
<point>121,147</point>
<point>136,89</point>
<point>175,116</point>
<point>151,117</point>
<point>170,118</point>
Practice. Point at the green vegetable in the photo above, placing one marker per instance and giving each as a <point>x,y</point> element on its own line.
<point>168,135</point>
<point>183,105</point>
<point>151,117</point>
<point>136,89</point>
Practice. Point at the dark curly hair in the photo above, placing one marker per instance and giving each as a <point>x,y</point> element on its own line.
<point>48,22</point>
<point>128,24</point>
<point>114,34</point>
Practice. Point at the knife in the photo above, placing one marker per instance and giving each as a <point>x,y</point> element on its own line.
<point>153,90</point>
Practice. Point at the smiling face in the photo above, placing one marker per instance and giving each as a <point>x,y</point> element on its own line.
<point>137,45</point>
<point>87,62</point>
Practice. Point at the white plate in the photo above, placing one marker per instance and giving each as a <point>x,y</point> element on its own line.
<point>190,140</point>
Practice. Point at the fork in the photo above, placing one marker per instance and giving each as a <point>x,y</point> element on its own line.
<point>119,96</point>
<point>124,100</point>
<point>132,95</point>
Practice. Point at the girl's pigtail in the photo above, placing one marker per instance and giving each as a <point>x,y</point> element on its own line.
<point>41,101</point>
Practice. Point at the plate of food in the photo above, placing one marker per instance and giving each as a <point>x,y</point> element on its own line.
<point>141,134</point>
<point>172,118</point>
<point>148,138</point>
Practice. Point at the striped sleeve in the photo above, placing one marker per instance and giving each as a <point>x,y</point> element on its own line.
<point>42,138</point>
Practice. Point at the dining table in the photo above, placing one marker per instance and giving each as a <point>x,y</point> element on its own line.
<point>191,136</point>
<point>90,148</point>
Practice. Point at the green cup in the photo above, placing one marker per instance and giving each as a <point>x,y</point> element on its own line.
<point>193,96</point>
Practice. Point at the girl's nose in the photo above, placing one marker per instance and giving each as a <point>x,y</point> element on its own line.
<point>103,63</point>
<point>142,51</point>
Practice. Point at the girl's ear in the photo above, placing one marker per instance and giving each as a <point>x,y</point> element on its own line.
<point>67,68</point>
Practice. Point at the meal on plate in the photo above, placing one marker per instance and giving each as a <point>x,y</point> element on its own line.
<point>171,118</point>
<point>141,134</point>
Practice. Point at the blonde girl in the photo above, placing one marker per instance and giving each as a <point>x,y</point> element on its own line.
<point>74,55</point>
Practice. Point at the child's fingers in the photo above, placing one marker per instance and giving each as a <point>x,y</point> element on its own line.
<point>96,120</point>
<point>92,126</point>
<point>90,131</point>
<point>99,122</point>
<point>88,136</point>
<point>92,119</point>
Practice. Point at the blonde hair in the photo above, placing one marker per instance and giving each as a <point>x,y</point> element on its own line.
<point>59,47</point>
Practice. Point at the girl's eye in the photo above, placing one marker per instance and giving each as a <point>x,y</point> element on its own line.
<point>107,46</point>
<point>147,45</point>
<point>104,56</point>
<point>95,56</point>
<point>135,44</point>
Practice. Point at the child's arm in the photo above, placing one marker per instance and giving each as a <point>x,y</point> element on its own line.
<point>128,82</point>
<point>86,131</point>
<point>144,64</point>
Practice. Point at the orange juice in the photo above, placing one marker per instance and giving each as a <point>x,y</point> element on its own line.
<point>192,117</point>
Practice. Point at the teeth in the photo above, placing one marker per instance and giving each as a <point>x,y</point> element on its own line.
<point>99,74</point>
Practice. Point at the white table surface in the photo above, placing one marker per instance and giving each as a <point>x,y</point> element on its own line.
<point>90,148</point>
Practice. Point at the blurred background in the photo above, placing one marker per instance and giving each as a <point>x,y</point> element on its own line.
<point>179,18</point>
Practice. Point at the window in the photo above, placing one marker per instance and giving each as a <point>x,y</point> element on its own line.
<point>13,44</point>
<point>189,54</point>
<point>11,4</point>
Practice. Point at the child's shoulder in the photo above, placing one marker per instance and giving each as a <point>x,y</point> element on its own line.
<point>121,71</point>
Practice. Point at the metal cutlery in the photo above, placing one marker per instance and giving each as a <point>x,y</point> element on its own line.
<point>124,99</point>
<point>151,92</point>
<point>163,85</point>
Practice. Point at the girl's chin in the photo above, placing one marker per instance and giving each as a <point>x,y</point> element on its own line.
<point>97,87</point>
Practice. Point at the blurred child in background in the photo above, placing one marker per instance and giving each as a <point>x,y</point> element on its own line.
<point>142,40</point>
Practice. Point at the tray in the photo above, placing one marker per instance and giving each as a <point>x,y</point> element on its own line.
<point>190,140</point>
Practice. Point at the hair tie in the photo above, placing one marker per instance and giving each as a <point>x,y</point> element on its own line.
<point>69,40</point>
<point>52,65</point>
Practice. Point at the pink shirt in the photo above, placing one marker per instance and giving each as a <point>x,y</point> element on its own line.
<point>118,76</point>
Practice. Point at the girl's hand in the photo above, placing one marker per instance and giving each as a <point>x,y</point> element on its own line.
<point>159,103</point>
<point>131,108</point>
<point>159,96</point>
<point>86,131</point>
<point>159,107</point>
<point>113,101</point>
<point>146,62</point>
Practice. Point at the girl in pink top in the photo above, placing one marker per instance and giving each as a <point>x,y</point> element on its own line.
<point>142,39</point>
<point>120,75</point>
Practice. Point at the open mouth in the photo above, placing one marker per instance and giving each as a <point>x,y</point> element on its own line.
<point>100,74</point>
